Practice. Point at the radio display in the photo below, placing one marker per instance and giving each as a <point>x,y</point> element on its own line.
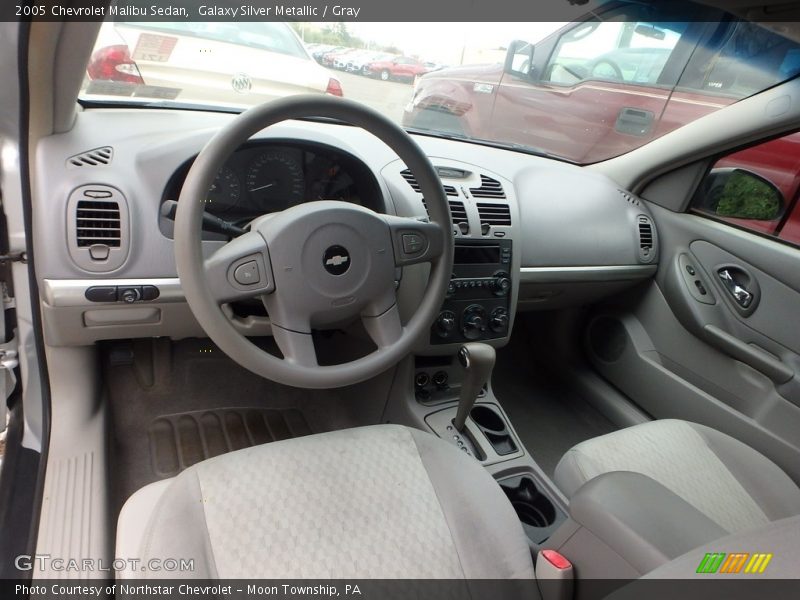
<point>477,255</point>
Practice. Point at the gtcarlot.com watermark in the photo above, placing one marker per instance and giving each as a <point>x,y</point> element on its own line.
<point>45,562</point>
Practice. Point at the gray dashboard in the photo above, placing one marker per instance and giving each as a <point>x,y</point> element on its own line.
<point>575,236</point>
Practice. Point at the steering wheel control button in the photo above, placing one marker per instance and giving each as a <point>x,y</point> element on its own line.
<point>336,260</point>
<point>101,293</point>
<point>247,273</point>
<point>413,243</point>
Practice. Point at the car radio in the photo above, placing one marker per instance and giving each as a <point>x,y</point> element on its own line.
<point>477,303</point>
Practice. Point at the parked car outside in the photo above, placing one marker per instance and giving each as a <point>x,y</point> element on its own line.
<point>259,61</point>
<point>403,68</point>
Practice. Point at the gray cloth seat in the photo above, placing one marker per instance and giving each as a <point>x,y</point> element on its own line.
<point>729,482</point>
<point>374,502</point>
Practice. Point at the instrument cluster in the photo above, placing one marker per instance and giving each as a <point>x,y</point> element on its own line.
<point>262,178</point>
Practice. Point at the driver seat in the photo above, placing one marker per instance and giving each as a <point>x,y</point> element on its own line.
<point>383,501</point>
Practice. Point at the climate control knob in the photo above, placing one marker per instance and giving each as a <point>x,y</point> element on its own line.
<point>474,322</point>
<point>501,284</point>
<point>445,323</point>
<point>498,320</point>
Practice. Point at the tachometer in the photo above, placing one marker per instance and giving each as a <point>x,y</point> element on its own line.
<point>225,192</point>
<point>275,181</point>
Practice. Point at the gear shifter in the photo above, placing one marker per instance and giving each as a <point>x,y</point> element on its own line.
<point>478,362</point>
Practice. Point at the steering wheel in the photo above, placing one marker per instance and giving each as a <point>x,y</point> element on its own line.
<point>614,67</point>
<point>317,264</point>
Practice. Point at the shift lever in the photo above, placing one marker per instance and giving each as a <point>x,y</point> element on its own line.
<point>478,362</point>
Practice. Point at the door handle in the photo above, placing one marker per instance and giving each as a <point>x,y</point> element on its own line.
<point>634,121</point>
<point>738,292</point>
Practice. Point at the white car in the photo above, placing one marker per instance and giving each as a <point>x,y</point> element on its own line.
<point>201,62</point>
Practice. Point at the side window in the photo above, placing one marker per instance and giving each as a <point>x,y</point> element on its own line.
<point>756,189</point>
<point>630,52</point>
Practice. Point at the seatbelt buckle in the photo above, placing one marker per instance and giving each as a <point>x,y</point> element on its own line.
<point>554,575</point>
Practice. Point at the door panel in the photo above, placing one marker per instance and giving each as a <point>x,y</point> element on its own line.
<point>705,357</point>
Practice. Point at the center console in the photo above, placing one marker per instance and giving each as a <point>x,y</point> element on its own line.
<point>478,302</point>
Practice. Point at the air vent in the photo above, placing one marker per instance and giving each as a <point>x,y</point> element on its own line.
<point>99,228</point>
<point>97,222</point>
<point>647,238</point>
<point>92,158</point>
<point>412,181</point>
<point>494,214</point>
<point>489,188</point>
<point>458,211</point>
<point>629,198</point>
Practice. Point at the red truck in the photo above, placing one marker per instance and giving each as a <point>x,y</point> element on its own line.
<point>402,68</point>
<point>611,82</point>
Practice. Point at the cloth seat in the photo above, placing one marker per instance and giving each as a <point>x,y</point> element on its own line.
<point>383,501</point>
<point>729,482</point>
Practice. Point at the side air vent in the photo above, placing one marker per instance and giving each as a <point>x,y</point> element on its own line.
<point>494,214</point>
<point>412,181</point>
<point>92,158</point>
<point>647,238</point>
<point>97,222</point>
<point>629,198</point>
<point>489,188</point>
<point>98,232</point>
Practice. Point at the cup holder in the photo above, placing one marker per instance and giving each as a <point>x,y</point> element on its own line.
<point>487,419</point>
<point>536,511</point>
<point>493,426</point>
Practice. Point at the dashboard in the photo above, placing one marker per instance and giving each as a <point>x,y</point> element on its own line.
<point>531,233</point>
<point>266,177</point>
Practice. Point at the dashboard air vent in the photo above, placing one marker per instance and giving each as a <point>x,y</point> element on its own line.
<point>412,181</point>
<point>97,222</point>
<point>494,214</point>
<point>489,188</point>
<point>647,238</point>
<point>92,158</point>
<point>458,212</point>
<point>98,236</point>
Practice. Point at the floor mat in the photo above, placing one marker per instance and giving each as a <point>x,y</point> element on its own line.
<point>548,416</point>
<point>173,404</point>
<point>181,440</point>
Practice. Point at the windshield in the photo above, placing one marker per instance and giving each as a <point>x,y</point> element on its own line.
<point>583,91</point>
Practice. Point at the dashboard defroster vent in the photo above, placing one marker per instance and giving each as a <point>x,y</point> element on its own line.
<point>489,188</point>
<point>92,158</point>
<point>412,181</point>
<point>494,214</point>
<point>647,238</point>
<point>629,198</point>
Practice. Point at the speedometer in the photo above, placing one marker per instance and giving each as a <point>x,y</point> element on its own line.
<point>275,181</point>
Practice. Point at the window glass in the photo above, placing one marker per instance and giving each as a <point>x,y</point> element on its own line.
<point>756,189</point>
<point>629,52</point>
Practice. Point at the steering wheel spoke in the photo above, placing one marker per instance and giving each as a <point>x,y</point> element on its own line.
<point>415,241</point>
<point>384,327</point>
<point>240,269</point>
<point>297,347</point>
